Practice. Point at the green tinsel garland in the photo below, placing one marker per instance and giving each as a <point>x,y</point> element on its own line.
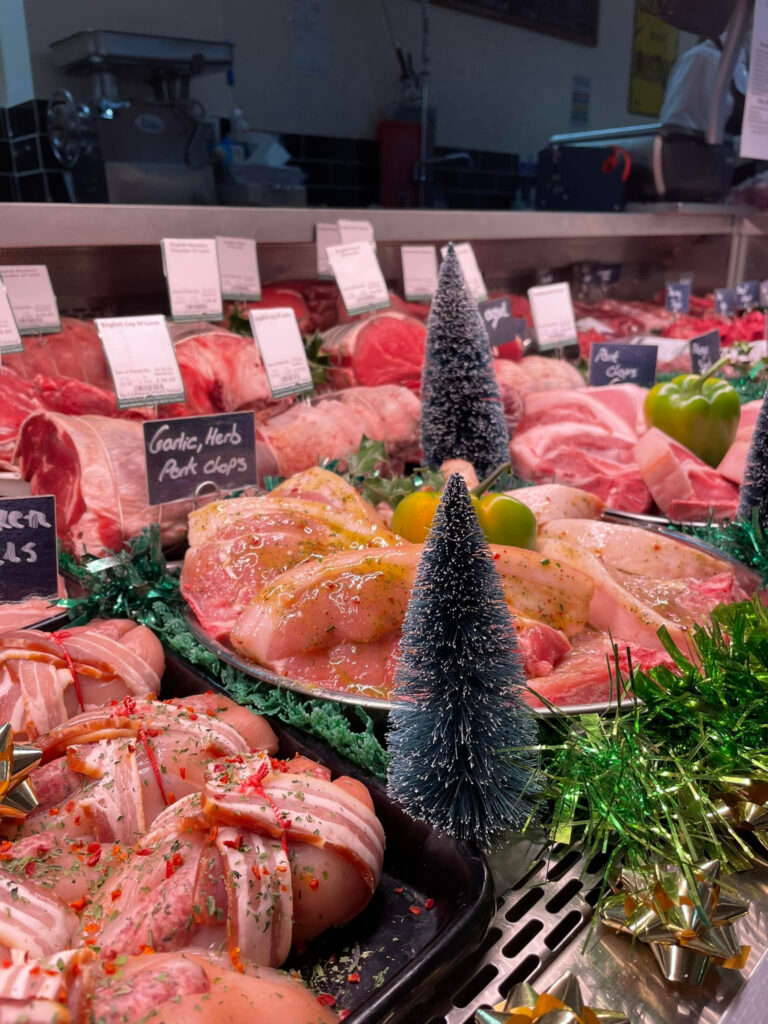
<point>135,584</point>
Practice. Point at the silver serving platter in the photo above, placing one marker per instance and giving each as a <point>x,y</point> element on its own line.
<point>747,578</point>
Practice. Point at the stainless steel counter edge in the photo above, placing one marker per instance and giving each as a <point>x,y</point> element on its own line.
<point>24,225</point>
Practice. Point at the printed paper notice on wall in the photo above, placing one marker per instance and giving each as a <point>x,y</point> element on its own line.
<point>473,279</point>
<point>10,339</point>
<point>325,235</point>
<point>32,300</point>
<point>142,360</point>
<point>419,272</point>
<point>359,277</point>
<point>754,124</point>
<point>238,268</point>
<point>28,548</point>
<point>553,318</point>
<point>192,273</point>
<point>282,350</point>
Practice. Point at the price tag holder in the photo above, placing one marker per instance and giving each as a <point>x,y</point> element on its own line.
<point>191,269</point>
<point>10,339</point>
<point>553,318</point>
<point>419,272</point>
<point>499,323</point>
<point>279,340</point>
<point>725,301</point>
<point>238,268</point>
<point>546,276</point>
<point>325,235</point>
<point>351,231</point>
<point>608,274</point>
<point>677,297</point>
<point>184,454</point>
<point>28,548</point>
<point>359,277</point>
<point>747,294</point>
<point>705,351</point>
<point>142,360</point>
<point>611,363</point>
<point>32,300</point>
<point>473,279</point>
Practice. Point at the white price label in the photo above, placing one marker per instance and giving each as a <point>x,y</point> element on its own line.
<point>192,273</point>
<point>351,231</point>
<point>10,339</point>
<point>238,268</point>
<point>282,350</point>
<point>142,360</point>
<point>553,318</point>
<point>325,235</point>
<point>419,272</point>
<point>32,300</point>
<point>358,276</point>
<point>473,279</point>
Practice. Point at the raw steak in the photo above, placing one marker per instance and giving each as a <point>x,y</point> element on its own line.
<point>95,468</point>
<point>76,398</point>
<point>383,348</point>
<point>333,427</point>
<point>280,295</point>
<point>76,351</point>
<point>582,456</point>
<point>536,373</point>
<point>683,486</point>
<point>624,400</point>
<point>19,398</point>
<point>581,406</point>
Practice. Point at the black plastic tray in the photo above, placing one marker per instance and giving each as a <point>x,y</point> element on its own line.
<point>402,959</point>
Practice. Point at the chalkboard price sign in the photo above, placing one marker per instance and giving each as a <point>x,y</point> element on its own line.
<point>620,364</point>
<point>28,550</point>
<point>183,454</point>
<point>705,351</point>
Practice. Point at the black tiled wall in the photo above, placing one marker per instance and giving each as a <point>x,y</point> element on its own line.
<point>29,172</point>
<point>485,181</point>
<point>340,172</point>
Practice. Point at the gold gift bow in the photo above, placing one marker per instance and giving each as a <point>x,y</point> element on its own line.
<point>685,935</point>
<point>745,809</point>
<point>562,1003</point>
<point>17,760</point>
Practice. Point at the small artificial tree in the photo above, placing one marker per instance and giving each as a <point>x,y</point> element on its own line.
<point>460,736</point>
<point>462,414</point>
<point>753,494</point>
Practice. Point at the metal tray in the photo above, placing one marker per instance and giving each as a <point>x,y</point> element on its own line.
<point>377,707</point>
<point>402,959</point>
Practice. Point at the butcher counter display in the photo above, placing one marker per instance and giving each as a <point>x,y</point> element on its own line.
<point>468,606</point>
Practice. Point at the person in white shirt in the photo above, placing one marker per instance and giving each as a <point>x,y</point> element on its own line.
<point>691,89</point>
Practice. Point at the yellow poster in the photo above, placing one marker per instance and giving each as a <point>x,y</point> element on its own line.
<point>654,50</point>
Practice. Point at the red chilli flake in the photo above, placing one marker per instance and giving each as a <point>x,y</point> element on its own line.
<point>397,890</point>
<point>313,883</point>
<point>326,999</point>
<point>353,978</point>
<point>415,911</point>
<point>254,781</point>
<point>343,1014</point>
<point>150,754</point>
<point>429,904</point>
<point>58,637</point>
<point>143,853</point>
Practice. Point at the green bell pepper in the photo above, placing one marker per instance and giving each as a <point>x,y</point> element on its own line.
<point>700,411</point>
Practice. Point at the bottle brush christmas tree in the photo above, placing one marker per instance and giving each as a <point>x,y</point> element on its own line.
<point>462,415</point>
<point>458,732</point>
<point>753,494</point>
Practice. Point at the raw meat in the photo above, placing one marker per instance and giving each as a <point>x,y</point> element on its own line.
<point>382,348</point>
<point>556,501</point>
<point>45,678</point>
<point>536,373</point>
<point>420,310</point>
<point>222,372</point>
<point>582,456</point>
<point>683,486</point>
<point>735,459</point>
<point>333,427</point>
<point>199,987</point>
<point>337,622</point>
<point>635,551</point>
<point>95,468</point>
<point>26,613</point>
<point>317,484</point>
<point>76,398</point>
<point>76,351</point>
<point>239,545</point>
<point>582,406</point>
<point>587,674</point>
<point>19,398</point>
<point>281,296</point>
<point>624,400</point>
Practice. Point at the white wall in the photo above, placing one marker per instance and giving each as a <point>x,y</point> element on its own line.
<point>495,86</point>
